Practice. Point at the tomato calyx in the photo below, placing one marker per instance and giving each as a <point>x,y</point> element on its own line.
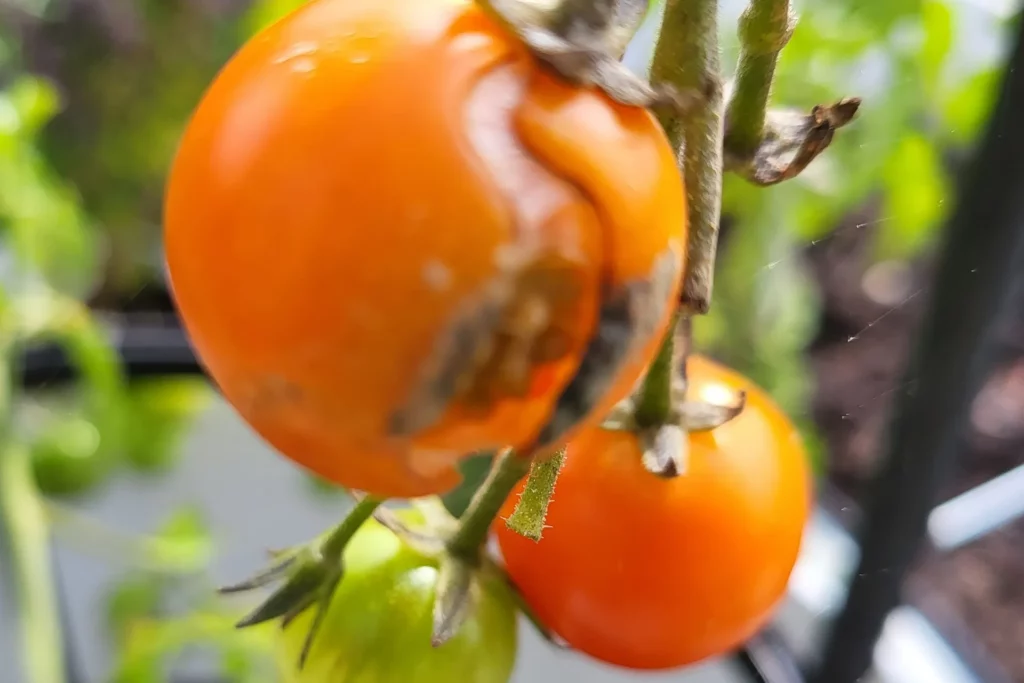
<point>663,413</point>
<point>583,42</point>
<point>311,573</point>
<point>458,575</point>
<point>665,446</point>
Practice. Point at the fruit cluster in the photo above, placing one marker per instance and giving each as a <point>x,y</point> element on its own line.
<point>399,235</point>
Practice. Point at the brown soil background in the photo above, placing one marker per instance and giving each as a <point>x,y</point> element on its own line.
<point>975,594</point>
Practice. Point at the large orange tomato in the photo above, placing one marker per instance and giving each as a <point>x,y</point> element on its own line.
<point>392,237</point>
<point>651,573</point>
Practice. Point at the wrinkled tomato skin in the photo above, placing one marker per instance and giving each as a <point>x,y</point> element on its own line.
<point>360,175</point>
<point>378,625</point>
<point>648,573</point>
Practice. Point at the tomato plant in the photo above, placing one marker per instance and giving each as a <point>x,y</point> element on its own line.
<point>377,628</point>
<point>653,573</point>
<point>380,294</point>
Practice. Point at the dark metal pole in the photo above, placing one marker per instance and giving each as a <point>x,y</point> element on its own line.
<point>984,246</point>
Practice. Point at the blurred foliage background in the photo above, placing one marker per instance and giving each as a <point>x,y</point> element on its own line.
<point>93,96</point>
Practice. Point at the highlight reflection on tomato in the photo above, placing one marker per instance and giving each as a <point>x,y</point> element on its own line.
<point>391,233</point>
<point>652,573</point>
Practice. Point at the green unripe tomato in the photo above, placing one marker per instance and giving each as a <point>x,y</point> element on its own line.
<point>378,626</point>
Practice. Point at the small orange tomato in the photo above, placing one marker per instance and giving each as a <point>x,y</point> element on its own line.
<point>393,239</point>
<point>651,573</point>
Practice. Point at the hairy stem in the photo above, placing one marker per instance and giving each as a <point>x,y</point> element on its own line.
<point>687,58</point>
<point>507,471</point>
<point>764,29</point>
<point>532,508</point>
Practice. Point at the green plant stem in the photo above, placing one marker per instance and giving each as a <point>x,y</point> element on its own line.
<point>654,400</point>
<point>764,29</point>
<point>507,471</point>
<point>28,542</point>
<point>687,57</point>
<point>334,544</point>
<point>527,519</point>
<point>150,553</point>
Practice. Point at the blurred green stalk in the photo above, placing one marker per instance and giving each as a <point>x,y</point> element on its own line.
<point>27,539</point>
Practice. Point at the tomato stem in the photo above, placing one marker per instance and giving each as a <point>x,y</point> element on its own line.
<point>687,58</point>
<point>527,519</point>
<point>764,29</point>
<point>334,545</point>
<point>507,471</point>
<point>654,400</point>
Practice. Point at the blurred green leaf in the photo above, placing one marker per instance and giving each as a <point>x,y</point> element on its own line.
<point>145,647</point>
<point>36,102</point>
<point>263,13</point>
<point>817,448</point>
<point>102,388</point>
<point>46,229</point>
<point>184,541</point>
<point>160,413</point>
<point>883,16</point>
<point>236,663</point>
<point>966,108</point>
<point>916,189</point>
<point>135,598</point>
<point>937,24</point>
<point>767,308</point>
<point>67,459</point>
<point>152,645</point>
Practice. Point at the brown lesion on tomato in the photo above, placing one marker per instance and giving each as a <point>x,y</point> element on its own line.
<point>493,349</point>
<point>630,316</point>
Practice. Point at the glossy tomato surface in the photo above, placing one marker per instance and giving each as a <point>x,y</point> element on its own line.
<point>388,233</point>
<point>652,573</point>
<point>378,626</point>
